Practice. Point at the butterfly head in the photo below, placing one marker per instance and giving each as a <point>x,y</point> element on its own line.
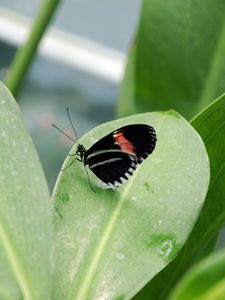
<point>80,151</point>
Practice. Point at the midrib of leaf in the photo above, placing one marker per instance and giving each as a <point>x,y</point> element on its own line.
<point>13,259</point>
<point>214,71</point>
<point>82,293</point>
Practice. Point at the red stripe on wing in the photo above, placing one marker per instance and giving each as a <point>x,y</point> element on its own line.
<point>124,144</point>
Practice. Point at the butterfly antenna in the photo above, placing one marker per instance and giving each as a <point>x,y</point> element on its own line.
<point>71,123</point>
<point>64,133</point>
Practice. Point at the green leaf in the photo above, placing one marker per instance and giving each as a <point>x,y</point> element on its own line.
<point>180,56</point>
<point>126,105</point>
<point>25,210</point>
<point>211,126</point>
<point>9,289</point>
<point>110,244</point>
<point>26,54</point>
<point>205,281</point>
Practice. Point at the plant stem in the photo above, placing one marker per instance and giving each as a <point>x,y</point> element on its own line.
<point>24,56</point>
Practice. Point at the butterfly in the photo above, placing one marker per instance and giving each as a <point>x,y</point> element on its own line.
<point>115,157</point>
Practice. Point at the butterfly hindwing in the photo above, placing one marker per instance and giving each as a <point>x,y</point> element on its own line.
<point>113,167</point>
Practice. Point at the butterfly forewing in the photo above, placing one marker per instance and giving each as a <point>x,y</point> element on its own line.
<point>142,138</point>
<point>114,157</point>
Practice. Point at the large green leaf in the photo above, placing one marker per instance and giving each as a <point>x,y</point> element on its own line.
<point>25,211</point>
<point>179,60</point>
<point>9,289</point>
<point>206,281</point>
<point>110,244</point>
<point>211,126</point>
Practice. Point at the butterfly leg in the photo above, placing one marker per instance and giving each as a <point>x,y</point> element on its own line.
<point>69,165</point>
<point>89,180</point>
<point>79,159</point>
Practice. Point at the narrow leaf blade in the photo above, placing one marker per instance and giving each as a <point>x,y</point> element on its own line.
<point>205,281</point>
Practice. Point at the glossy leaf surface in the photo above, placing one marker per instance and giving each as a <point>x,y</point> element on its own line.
<point>211,126</point>
<point>25,212</point>
<point>109,244</point>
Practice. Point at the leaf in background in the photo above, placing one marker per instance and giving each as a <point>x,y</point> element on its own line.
<point>25,54</point>
<point>127,104</point>
<point>205,281</point>
<point>25,211</point>
<point>179,57</point>
<point>109,244</point>
<point>210,125</point>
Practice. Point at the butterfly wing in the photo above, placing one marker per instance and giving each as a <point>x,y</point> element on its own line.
<point>136,139</point>
<point>114,157</point>
<point>113,167</point>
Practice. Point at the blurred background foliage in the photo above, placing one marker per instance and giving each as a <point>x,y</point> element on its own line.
<point>177,59</point>
<point>53,84</point>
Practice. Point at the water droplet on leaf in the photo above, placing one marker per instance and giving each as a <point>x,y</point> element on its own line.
<point>120,256</point>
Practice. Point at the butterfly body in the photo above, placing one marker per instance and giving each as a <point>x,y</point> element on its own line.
<point>114,158</point>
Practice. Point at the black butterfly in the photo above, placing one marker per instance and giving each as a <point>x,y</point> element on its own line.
<point>114,158</point>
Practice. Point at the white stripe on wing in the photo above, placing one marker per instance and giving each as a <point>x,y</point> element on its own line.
<point>105,162</point>
<point>103,152</point>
